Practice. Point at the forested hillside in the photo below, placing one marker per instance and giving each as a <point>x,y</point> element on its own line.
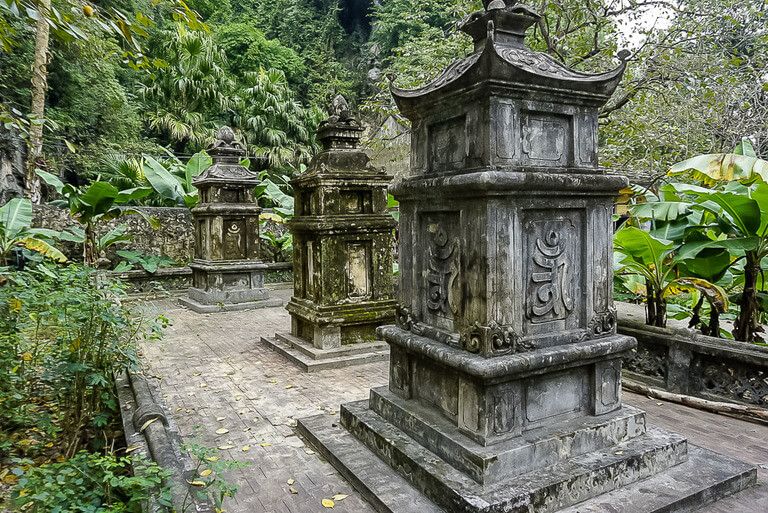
<point>126,77</point>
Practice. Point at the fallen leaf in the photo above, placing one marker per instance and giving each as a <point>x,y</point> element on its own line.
<point>222,431</point>
<point>225,447</point>
<point>246,448</point>
<point>291,481</point>
<point>146,424</point>
<point>212,458</point>
<point>293,490</point>
<point>265,444</point>
<point>197,483</point>
<point>340,497</point>
<point>328,503</point>
<point>219,419</point>
<point>309,451</point>
<point>205,473</point>
<point>288,387</point>
<point>659,404</point>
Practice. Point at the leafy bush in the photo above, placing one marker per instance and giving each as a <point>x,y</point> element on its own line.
<point>90,483</point>
<point>150,263</point>
<point>63,334</point>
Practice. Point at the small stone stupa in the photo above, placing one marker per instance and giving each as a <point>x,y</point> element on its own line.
<point>343,245</point>
<point>505,371</point>
<point>227,273</point>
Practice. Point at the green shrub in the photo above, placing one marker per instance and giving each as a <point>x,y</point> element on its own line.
<point>90,483</point>
<point>63,334</point>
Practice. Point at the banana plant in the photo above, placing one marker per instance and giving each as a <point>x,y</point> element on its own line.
<point>658,263</point>
<point>16,232</point>
<point>735,217</point>
<point>97,203</point>
<point>717,168</point>
<point>174,184</point>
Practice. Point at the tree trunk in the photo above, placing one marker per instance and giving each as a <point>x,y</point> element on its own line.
<point>39,89</point>
<point>89,246</point>
<point>656,307</point>
<point>746,328</point>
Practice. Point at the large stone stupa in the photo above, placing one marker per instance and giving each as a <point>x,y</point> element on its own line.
<point>505,371</point>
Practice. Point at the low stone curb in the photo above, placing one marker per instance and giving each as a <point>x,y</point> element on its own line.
<point>155,436</point>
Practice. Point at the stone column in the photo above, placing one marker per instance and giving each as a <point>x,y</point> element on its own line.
<point>505,370</point>
<point>342,239</point>
<point>227,271</point>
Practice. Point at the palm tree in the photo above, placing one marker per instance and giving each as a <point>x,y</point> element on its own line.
<point>273,123</point>
<point>188,88</point>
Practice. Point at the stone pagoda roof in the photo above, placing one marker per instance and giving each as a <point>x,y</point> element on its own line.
<point>226,154</point>
<point>501,58</point>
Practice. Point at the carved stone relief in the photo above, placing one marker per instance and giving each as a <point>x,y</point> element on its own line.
<point>234,239</point>
<point>442,270</point>
<point>546,138</point>
<point>648,360</point>
<point>551,283</point>
<point>741,382</point>
<point>491,340</point>
<point>602,324</point>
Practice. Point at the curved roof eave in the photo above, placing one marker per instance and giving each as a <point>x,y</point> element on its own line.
<point>534,64</point>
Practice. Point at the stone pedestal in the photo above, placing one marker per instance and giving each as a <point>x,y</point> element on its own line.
<point>505,371</point>
<point>342,238</point>
<point>227,273</point>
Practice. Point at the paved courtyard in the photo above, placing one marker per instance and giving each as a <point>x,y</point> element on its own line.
<point>214,374</point>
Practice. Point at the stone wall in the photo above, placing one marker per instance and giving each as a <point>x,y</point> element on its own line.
<point>684,362</point>
<point>175,237</point>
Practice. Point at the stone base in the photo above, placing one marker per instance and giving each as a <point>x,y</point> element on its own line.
<point>536,449</point>
<point>202,308</point>
<point>651,473</point>
<point>310,358</point>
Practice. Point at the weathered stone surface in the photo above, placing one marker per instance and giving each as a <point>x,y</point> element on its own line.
<point>342,249</point>
<point>702,478</point>
<point>175,238</point>
<point>12,157</point>
<point>227,273</point>
<point>311,359</point>
<point>505,367</point>
<point>682,361</point>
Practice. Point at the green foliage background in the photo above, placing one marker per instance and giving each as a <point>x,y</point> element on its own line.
<point>695,85</point>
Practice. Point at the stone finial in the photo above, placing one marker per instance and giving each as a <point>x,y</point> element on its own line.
<point>226,153</point>
<point>508,21</point>
<point>491,5</point>
<point>342,130</point>
<point>226,149</point>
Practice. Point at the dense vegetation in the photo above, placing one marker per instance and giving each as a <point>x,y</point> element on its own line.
<point>269,67</point>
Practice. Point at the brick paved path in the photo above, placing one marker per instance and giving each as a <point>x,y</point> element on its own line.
<point>213,367</point>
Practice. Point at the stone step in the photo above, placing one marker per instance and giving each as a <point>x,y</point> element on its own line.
<point>704,478</point>
<point>384,488</point>
<point>322,354</point>
<point>308,364</point>
<point>548,489</point>
<point>535,449</point>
